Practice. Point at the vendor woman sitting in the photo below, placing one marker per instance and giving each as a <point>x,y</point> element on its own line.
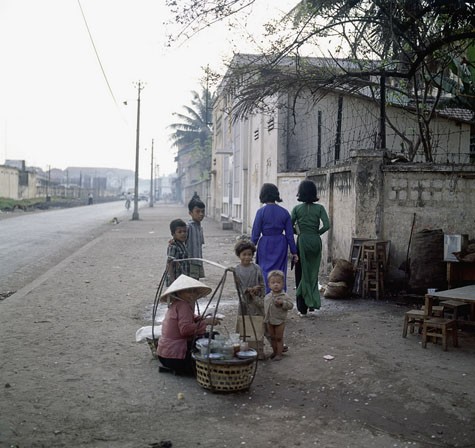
<point>181,325</point>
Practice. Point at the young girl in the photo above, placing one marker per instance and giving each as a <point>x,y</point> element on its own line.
<point>250,279</point>
<point>276,305</point>
<point>251,282</point>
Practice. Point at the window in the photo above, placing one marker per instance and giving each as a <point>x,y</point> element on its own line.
<point>270,124</point>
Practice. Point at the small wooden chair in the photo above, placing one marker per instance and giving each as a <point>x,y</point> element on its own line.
<point>416,317</point>
<point>411,319</point>
<point>439,328</point>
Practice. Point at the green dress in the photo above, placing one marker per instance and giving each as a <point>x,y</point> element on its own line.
<point>312,221</point>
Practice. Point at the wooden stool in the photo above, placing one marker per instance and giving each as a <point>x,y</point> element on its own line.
<point>438,328</point>
<point>416,317</point>
<point>411,319</point>
<point>456,309</point>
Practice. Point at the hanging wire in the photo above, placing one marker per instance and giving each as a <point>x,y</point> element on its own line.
<point>97,54</point>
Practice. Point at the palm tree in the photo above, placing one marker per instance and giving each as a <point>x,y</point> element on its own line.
<point>194,129</point>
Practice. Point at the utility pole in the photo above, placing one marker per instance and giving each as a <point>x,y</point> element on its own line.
<point>151,179</point>
<point>157,174</point>
<point>135,214</point>
<point>48,185</point>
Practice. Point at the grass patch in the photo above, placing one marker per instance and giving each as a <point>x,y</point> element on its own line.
<point>7,204</point>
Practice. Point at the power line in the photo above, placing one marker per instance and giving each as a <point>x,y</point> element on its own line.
<point>97,54</point>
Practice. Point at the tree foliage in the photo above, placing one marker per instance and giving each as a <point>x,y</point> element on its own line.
<point>194,129</point>
<point>462,84</point>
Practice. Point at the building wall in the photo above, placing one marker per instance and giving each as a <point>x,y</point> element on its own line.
<point>263,162</point>
<point>450,138</point>
<point>28,190</point>
<point>9,182</point>
<point>221,145</point>
<point>317,124</point>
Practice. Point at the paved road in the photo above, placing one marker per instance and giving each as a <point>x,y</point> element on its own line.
<point>32,243</point>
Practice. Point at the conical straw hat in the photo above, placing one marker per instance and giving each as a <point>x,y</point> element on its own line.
<point>182,283</point>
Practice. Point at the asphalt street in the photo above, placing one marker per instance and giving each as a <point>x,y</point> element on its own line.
<point>31,243</point>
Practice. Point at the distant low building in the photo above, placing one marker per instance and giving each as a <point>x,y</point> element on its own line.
<point>16,182</point>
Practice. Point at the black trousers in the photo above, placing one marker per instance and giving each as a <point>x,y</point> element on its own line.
<point>301,306</point>
<point>180,366</point>
<point>184,366</point>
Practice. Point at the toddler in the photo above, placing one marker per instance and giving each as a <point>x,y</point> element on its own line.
<point>276,305</point>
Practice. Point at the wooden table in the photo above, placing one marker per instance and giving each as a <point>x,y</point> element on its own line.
<point>466,294</point>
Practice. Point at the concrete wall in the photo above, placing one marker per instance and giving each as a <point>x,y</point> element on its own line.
<point>434,197</point>
<point>370,199</point>
<point>336,189</point>
<point>9,182</point>
<point>28,190</point>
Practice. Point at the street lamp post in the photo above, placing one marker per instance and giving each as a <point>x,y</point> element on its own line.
<point>135,214</point>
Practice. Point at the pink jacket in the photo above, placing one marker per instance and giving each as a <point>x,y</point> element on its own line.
<point>179,326</point>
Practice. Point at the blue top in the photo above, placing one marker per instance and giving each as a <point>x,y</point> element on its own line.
<point>273,234</point>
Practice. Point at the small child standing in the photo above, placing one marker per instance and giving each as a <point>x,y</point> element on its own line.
<point>250,280</point>
<point>195,239</point>
<point>177,251</point>
<point>276,305</point>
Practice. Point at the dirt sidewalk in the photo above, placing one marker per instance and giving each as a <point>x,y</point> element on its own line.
<point>72,374</point>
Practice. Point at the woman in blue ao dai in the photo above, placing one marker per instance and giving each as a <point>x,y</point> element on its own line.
<point>273,234</point>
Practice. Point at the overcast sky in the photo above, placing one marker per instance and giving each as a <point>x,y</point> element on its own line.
<point>56,107</point>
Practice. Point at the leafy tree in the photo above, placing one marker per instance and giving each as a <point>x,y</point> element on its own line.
<point>194,129</point>
<point>410,45</point>
<point>462,82</point>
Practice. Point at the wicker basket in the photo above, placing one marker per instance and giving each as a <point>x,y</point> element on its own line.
<point>222,376</point>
